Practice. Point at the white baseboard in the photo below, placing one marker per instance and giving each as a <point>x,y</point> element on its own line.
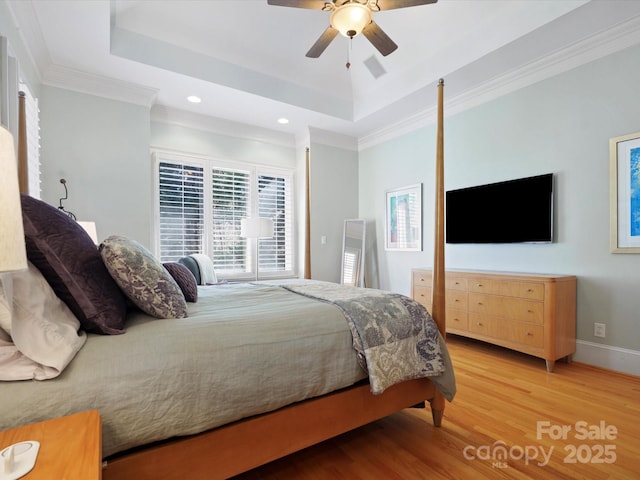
<point>604,356</point>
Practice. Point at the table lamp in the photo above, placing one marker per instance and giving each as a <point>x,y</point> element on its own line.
<point>13,254</point>
<point>256,227</point>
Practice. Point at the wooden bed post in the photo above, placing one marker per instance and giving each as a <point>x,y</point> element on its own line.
<point>23,169</point>
<point>307,220</point>
<point>438,296</point>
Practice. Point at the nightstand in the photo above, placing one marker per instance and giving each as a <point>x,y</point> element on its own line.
<point>70,447</point>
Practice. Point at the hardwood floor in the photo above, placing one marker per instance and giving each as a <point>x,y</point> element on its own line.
<point>578,422</point>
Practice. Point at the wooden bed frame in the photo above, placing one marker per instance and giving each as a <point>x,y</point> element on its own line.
<point>240,446</point>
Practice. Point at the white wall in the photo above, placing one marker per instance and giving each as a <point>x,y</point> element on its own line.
<point>101,148</point>
<point>561,125</point>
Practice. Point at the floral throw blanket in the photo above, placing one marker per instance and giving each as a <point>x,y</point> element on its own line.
<point>395,335</point>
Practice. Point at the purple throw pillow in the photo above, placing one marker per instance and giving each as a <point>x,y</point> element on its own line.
<point>185,280</point>
<point>70,262</point>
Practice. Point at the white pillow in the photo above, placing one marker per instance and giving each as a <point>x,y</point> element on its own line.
<point>44,334</point>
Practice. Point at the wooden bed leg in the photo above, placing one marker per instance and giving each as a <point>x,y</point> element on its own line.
<point>437,408</point>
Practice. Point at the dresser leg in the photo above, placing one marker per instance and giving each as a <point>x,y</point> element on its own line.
<point>569,358</point>
<point>550,365</point>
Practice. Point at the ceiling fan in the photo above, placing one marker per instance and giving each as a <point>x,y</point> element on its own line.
<point>351,17</point>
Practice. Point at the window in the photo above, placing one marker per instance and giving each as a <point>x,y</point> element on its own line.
<point>199,206</point>
<point>33,141</point>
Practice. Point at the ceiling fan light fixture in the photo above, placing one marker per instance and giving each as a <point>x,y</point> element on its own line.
<point>351,18</point>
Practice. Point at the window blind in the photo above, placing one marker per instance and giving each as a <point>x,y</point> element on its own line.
<point>230,203</point>
<point>274,201</point>
<point>181,208</point>
<point>32,112</point>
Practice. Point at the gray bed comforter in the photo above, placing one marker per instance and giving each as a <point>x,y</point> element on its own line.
<point>244,349</point>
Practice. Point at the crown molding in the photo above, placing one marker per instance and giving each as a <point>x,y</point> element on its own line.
<point>70,79</point>
<point>599,45</point>
<point>183,118</point>
<point>333,139</point>
<point>35,48</point>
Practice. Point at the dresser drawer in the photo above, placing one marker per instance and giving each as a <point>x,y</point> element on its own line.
<point>457,319</point>
<point>529,290</point>
<point>422,278</point>
<point>422,295</point>
<point>456,299</point>
<point>507,307</point>
<point>520,332</point>
<point>482,324</point>
<point>455,283</point>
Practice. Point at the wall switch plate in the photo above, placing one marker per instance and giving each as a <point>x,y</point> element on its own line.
<point>599,330</point>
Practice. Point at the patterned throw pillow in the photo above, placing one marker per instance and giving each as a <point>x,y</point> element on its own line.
<point>143,278</point>
<point>185,280</point>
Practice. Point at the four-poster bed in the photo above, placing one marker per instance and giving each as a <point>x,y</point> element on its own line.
<point>239,446</point>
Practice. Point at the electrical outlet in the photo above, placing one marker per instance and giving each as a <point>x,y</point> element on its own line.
<point>599,330</point>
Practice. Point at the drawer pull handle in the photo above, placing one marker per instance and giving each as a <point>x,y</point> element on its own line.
<point>529,290</point>
<point>479,303</point>
<point>528,334</point>
<point>479,285</point>
<point>479,324</point>
<point>529,311</point>
<point>457,301</point>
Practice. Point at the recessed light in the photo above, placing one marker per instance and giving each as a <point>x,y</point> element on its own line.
<point>283,121</point>
<point>194,99</point>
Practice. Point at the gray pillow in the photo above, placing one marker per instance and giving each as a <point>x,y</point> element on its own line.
<point>69,261</point>
<point>143,278</point>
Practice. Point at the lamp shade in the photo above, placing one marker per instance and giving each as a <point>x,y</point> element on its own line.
<point>350,19</point>
<point>90,228</point>
<point>256,227</point>
<point>13,254</point>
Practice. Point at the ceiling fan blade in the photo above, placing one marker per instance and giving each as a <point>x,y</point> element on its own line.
<point>379,39</point>
<point>311,4</point>
<point>322,43</point>
<point>391,4</point>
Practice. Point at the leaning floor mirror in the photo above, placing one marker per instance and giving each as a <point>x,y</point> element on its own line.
<point>353,253</point>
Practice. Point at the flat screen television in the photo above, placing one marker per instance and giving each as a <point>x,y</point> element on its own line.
<point>513,211</point>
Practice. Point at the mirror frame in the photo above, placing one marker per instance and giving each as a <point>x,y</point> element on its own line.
<point>358,275</point>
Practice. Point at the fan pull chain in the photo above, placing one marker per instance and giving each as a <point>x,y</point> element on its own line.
<point>349,45</point>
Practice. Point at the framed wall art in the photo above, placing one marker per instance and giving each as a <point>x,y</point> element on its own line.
<point>624,172</point>
<point>403,226</point>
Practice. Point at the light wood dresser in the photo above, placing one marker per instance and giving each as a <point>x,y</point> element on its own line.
<point>530,313</point>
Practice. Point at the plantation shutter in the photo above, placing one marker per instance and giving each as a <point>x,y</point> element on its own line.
<point>274,202</point>
<point>230,203</point>
<point>181,200</point>
<point>33,141</point>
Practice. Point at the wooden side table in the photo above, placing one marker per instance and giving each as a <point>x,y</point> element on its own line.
<point>70,447</point>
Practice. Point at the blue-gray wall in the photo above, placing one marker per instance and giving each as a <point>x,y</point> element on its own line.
<point>560,125</point>
<point>101,148</point>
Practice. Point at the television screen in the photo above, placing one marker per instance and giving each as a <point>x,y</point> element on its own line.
<point>513,211</point>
